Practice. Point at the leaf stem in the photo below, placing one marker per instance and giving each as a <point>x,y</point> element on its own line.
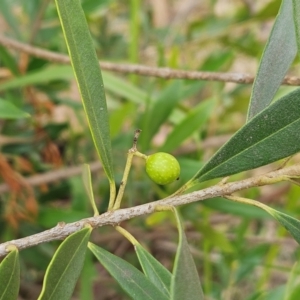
<point>127,235</point>
<point>87,181</point>
<point>245,201</point>
<point>183,188</point>
<point>112,194</point>
<point>132,152</point>
<point>124,180</point>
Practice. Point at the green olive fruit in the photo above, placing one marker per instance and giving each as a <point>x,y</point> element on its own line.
<point>162,168</point>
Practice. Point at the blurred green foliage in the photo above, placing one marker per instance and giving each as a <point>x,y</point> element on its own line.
<point>238,249</point>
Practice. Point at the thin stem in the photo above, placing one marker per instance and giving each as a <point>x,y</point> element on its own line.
<point>53,176</point>
<point>133,151</point>
<point>124,180</point>
<point>127,235</point>
<point>252,202</point>
<point>135,139</point>
<point>87,181</point>
<point>112,194</point>
<point>183,188</point>
<point>142,70</point>
<point>62,230</point>
<point>141,155</point>
<point>244,201</point>
<point>163,207</point>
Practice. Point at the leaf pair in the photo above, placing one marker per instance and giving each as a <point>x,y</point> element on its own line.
<point>156,282</point>
<point>61,275</point>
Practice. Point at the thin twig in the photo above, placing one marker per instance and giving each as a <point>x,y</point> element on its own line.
<point>60,174</point>
<point>62,230</point>
<point>53,176</point>
<point>166,73</point>
<point>135,138</point>
<point>130,155</point>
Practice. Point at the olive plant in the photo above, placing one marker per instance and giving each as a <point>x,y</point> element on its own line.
<point>270,134</point>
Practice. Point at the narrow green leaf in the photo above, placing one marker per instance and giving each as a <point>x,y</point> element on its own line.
<point>88,75</point>
<point>87,181</point>
<point>271,135</point>
<point>294,293</point>
<point>119,116</point>
<point>92,6</point>
<point>215,237</point>
<point>154,270</point>
<point>8,60</point>
<point>269,10</point>
<point>276,293</point>
<point>135,283</point>
<point>160,111</point>
<point>278,55</point>
<point>292,289</point>
<point>10,276</point>
<point>7,14</point>
<point>43,75</point>
<point>192,122</point>
<point>112,83</point>
<point>87,278</point>
<point>65,266</point>
<point>296,15</point>
<point>185,281</point>
<point>134,29</point>
<point>124,88</point>
<point>291,224</point>
<point>9,111</point>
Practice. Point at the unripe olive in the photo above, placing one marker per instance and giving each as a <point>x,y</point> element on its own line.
<point>162,168</point>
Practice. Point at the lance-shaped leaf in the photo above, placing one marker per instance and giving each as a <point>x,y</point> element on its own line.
<point>88,75</point>
<point>11,19</point>
<point>112,83</point>
<point>296,15</point>
<point>65,266</point>
<point>40,76</point>
<point>10,276</point>
<point>160,112</point>
<point>185,280</point>
<point>9,111</point>
<point>271,135</point>
<point>292,289</point>
<point>154,270</point>
<point>278,55</point>
<point>133,281</point>
<point>291,224</point>
<point>192,122</point>
<point>8,59</point>
<point>87,181</point>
